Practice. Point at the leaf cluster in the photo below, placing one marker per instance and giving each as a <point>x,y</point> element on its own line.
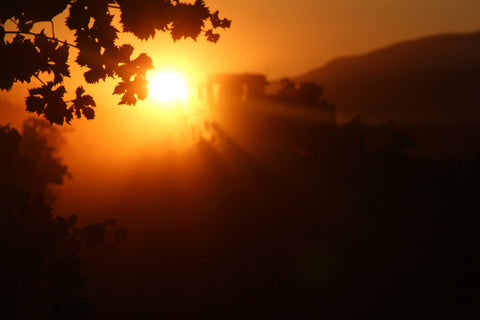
<point>180,19</point>
<point>95,38</point>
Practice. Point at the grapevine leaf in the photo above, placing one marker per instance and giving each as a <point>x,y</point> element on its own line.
<point>35,104</point>
<point>132,90</point>
<point>79,17</point>
<point>189,20</point>
<point>44,100</point>
<point>83,104</point>
<point>211,36</point>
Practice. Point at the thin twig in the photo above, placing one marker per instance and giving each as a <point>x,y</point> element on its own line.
<point>36,34</point>
<point>39,79</point>
<point>53,29</point>
<point>13,21</point>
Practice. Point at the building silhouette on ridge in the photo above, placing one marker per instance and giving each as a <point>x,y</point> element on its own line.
<point>237,90</point>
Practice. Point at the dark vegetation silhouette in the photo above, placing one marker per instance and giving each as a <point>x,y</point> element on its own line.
<point>27,53</point>
<point>329,221</point>
<point>337,231</point>
<point>323,224</point>
<point>39,252</point>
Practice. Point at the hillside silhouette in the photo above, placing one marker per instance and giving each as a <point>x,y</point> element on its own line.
<point>433,80</point>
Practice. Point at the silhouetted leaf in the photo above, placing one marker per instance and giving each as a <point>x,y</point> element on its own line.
<point>19,61</point>
<point>82,104</point>
<point>89,113</point>
<point>189,20</point>
<point>132,90</point>
<point>69,115</point>
<point>144,19</point>
<point>60,55</point>
<point>141,87</point>
<point>80,91</point>
<point>219,23</point>
<point>138,66</point>
<point>211,36</point>
<point>114,56</point>
<point>25,26</point>
<point>35,104</point>
<point>103,30</point>
<point>44,100</point>
<point>45,46</point>
<point>128,98</point>
<point>89,50</point>
<point>54,57</point>
<point>78,17</point>
<point>60,66</point>
<point>94,75</point>
<point>56,108</point>
<point>87,100</point>
<point>120,88</point>
<point>143,63</point>
<point>38,99</point>
<point>124,53</point>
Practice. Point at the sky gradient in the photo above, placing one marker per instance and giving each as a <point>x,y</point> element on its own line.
<point>285,38</point>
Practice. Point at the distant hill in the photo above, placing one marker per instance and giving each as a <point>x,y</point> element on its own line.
<point>433,79</point>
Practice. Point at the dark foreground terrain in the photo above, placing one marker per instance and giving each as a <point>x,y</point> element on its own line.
<point>334,222</point>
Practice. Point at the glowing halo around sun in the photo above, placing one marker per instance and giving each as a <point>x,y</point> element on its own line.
<point>168,87</point>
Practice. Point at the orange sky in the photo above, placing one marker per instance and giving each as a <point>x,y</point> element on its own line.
<point>285,38</point>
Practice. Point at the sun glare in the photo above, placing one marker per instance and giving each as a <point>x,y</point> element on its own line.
<point>168,87</point>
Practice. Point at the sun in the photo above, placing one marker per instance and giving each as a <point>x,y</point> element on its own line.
<point>168,87</point>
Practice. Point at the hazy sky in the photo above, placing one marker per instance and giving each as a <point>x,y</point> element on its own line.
<point>284,37</point>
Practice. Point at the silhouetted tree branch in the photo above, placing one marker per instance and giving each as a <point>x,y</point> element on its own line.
<point>95,35</point>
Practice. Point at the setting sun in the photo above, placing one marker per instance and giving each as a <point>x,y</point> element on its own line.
<point>168,86</point>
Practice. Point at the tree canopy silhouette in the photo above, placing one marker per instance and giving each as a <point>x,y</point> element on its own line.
<point>26,53</point>
<point>40,251</point>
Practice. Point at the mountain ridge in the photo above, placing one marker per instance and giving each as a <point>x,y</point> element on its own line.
<point>430,79</point>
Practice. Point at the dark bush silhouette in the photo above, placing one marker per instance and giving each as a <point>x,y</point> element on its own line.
<point>39,252</point>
